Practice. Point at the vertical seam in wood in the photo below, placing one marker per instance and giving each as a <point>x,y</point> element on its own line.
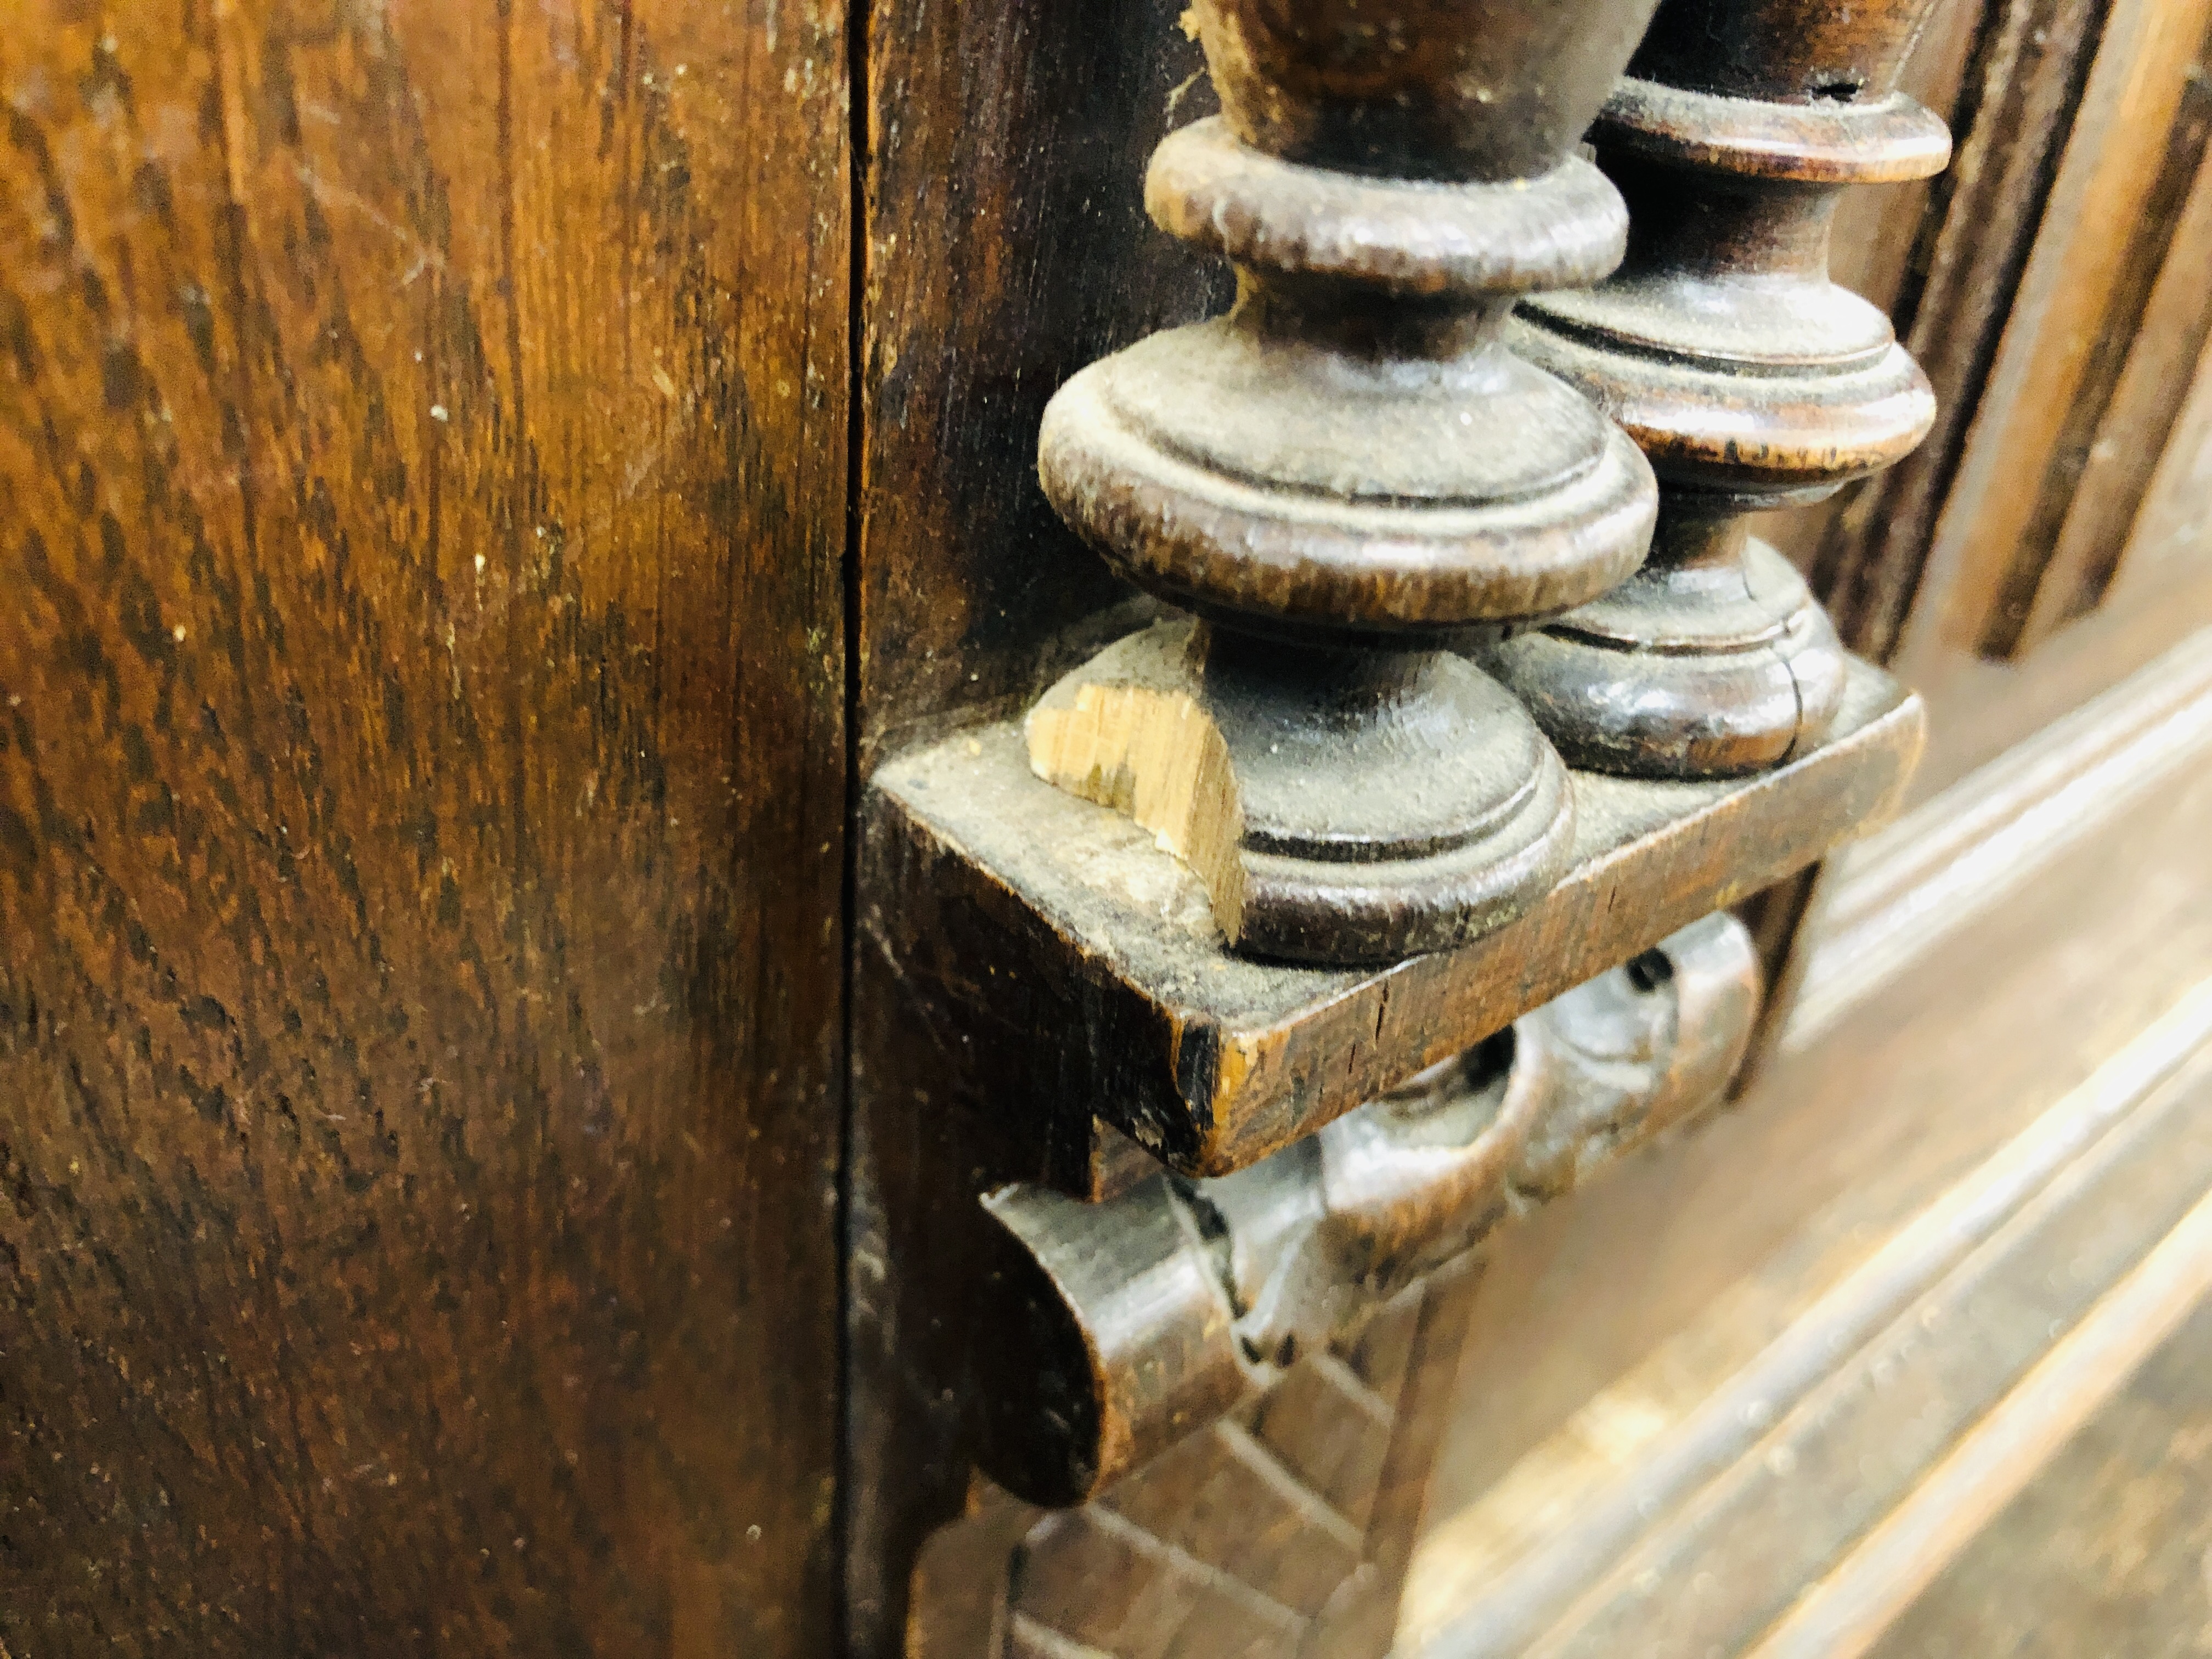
<point>856,408</point>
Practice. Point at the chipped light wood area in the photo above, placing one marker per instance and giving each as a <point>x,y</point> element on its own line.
<point>1158,755</point>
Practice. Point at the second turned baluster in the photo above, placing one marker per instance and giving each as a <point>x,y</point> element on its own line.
<point>1750,379</point>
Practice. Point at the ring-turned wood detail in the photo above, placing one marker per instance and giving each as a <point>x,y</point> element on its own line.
<point>1129,1324</point>
<point>1749,378</point>
<point>1349,471</point>
<point>1323,1296</point>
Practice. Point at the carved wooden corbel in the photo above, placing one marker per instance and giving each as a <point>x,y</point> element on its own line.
<point>1349,471</point>
<point>1119,1328</point>
<point>1750,379</point>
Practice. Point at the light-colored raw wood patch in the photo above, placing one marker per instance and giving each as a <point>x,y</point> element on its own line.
<point>1156,755</point>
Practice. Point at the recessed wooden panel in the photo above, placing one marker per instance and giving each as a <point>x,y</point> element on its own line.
<point>1607,1328</point>
<point>2107,1551</point>
<point>421,453</point>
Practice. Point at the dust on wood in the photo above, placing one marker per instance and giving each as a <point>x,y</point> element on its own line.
<point>1156,755</point>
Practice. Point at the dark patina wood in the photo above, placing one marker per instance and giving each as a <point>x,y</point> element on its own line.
<point>2044,173</point>
<point>1121,1327</point>
<point>1005,246</point>
<point>422,455</point>
<point>2139,295</point>
<point>2021,88</point>
<point>1006,249</point>
<point>1072,968</point>
<point>1349,471</point>
<point>1750,378</point>
<point>1628,1351</point>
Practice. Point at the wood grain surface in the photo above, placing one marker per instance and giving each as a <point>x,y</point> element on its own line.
<point>1604,1324</point>
<point>422,495</point>
<point>1005,246</point>
<point>1075,964</point>
<point>2107,229</point>
<point>2020,89</point>
<point>2109,1551</point>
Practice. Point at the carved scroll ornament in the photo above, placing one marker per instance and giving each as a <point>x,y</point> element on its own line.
<point>1131,1323</point>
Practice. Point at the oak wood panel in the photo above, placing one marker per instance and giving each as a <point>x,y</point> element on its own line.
<point>2107,1551</point>
<point>1979,845</point>
<point>421,472</point>
<point>2005,1451</point>
<point>2100,482</point>
<point>1871,1472</point>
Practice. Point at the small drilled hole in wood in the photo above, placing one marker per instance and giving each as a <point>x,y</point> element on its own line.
<point>1489,1060</point>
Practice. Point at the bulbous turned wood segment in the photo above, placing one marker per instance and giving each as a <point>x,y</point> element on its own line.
<point>1349,473</point>
<point>1749,378</point>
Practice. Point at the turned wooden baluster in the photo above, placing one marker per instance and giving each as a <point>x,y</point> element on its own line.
<point>1349,473</point>
<point>1749,379</point>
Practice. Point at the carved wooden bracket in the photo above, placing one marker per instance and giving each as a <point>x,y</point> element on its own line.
<point>1073,968</point>
<point>1120,1327</point>
<point>1272,857</point>
<point>1750,379</point>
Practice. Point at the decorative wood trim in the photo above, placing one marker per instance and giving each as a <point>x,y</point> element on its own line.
<point>1749,377</point>
<point>1848,1611</point>
<point>1074,967</point>
<point>2076,272</point>
<point>1996,229</point>
<point>2141,1124</point>
<point>1116,1329</point>
<point>2141,370</point>
<point>1262,1536</point>
<point>1348,473</point>
<point>2022,86</point>
<point>1894,896</point>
